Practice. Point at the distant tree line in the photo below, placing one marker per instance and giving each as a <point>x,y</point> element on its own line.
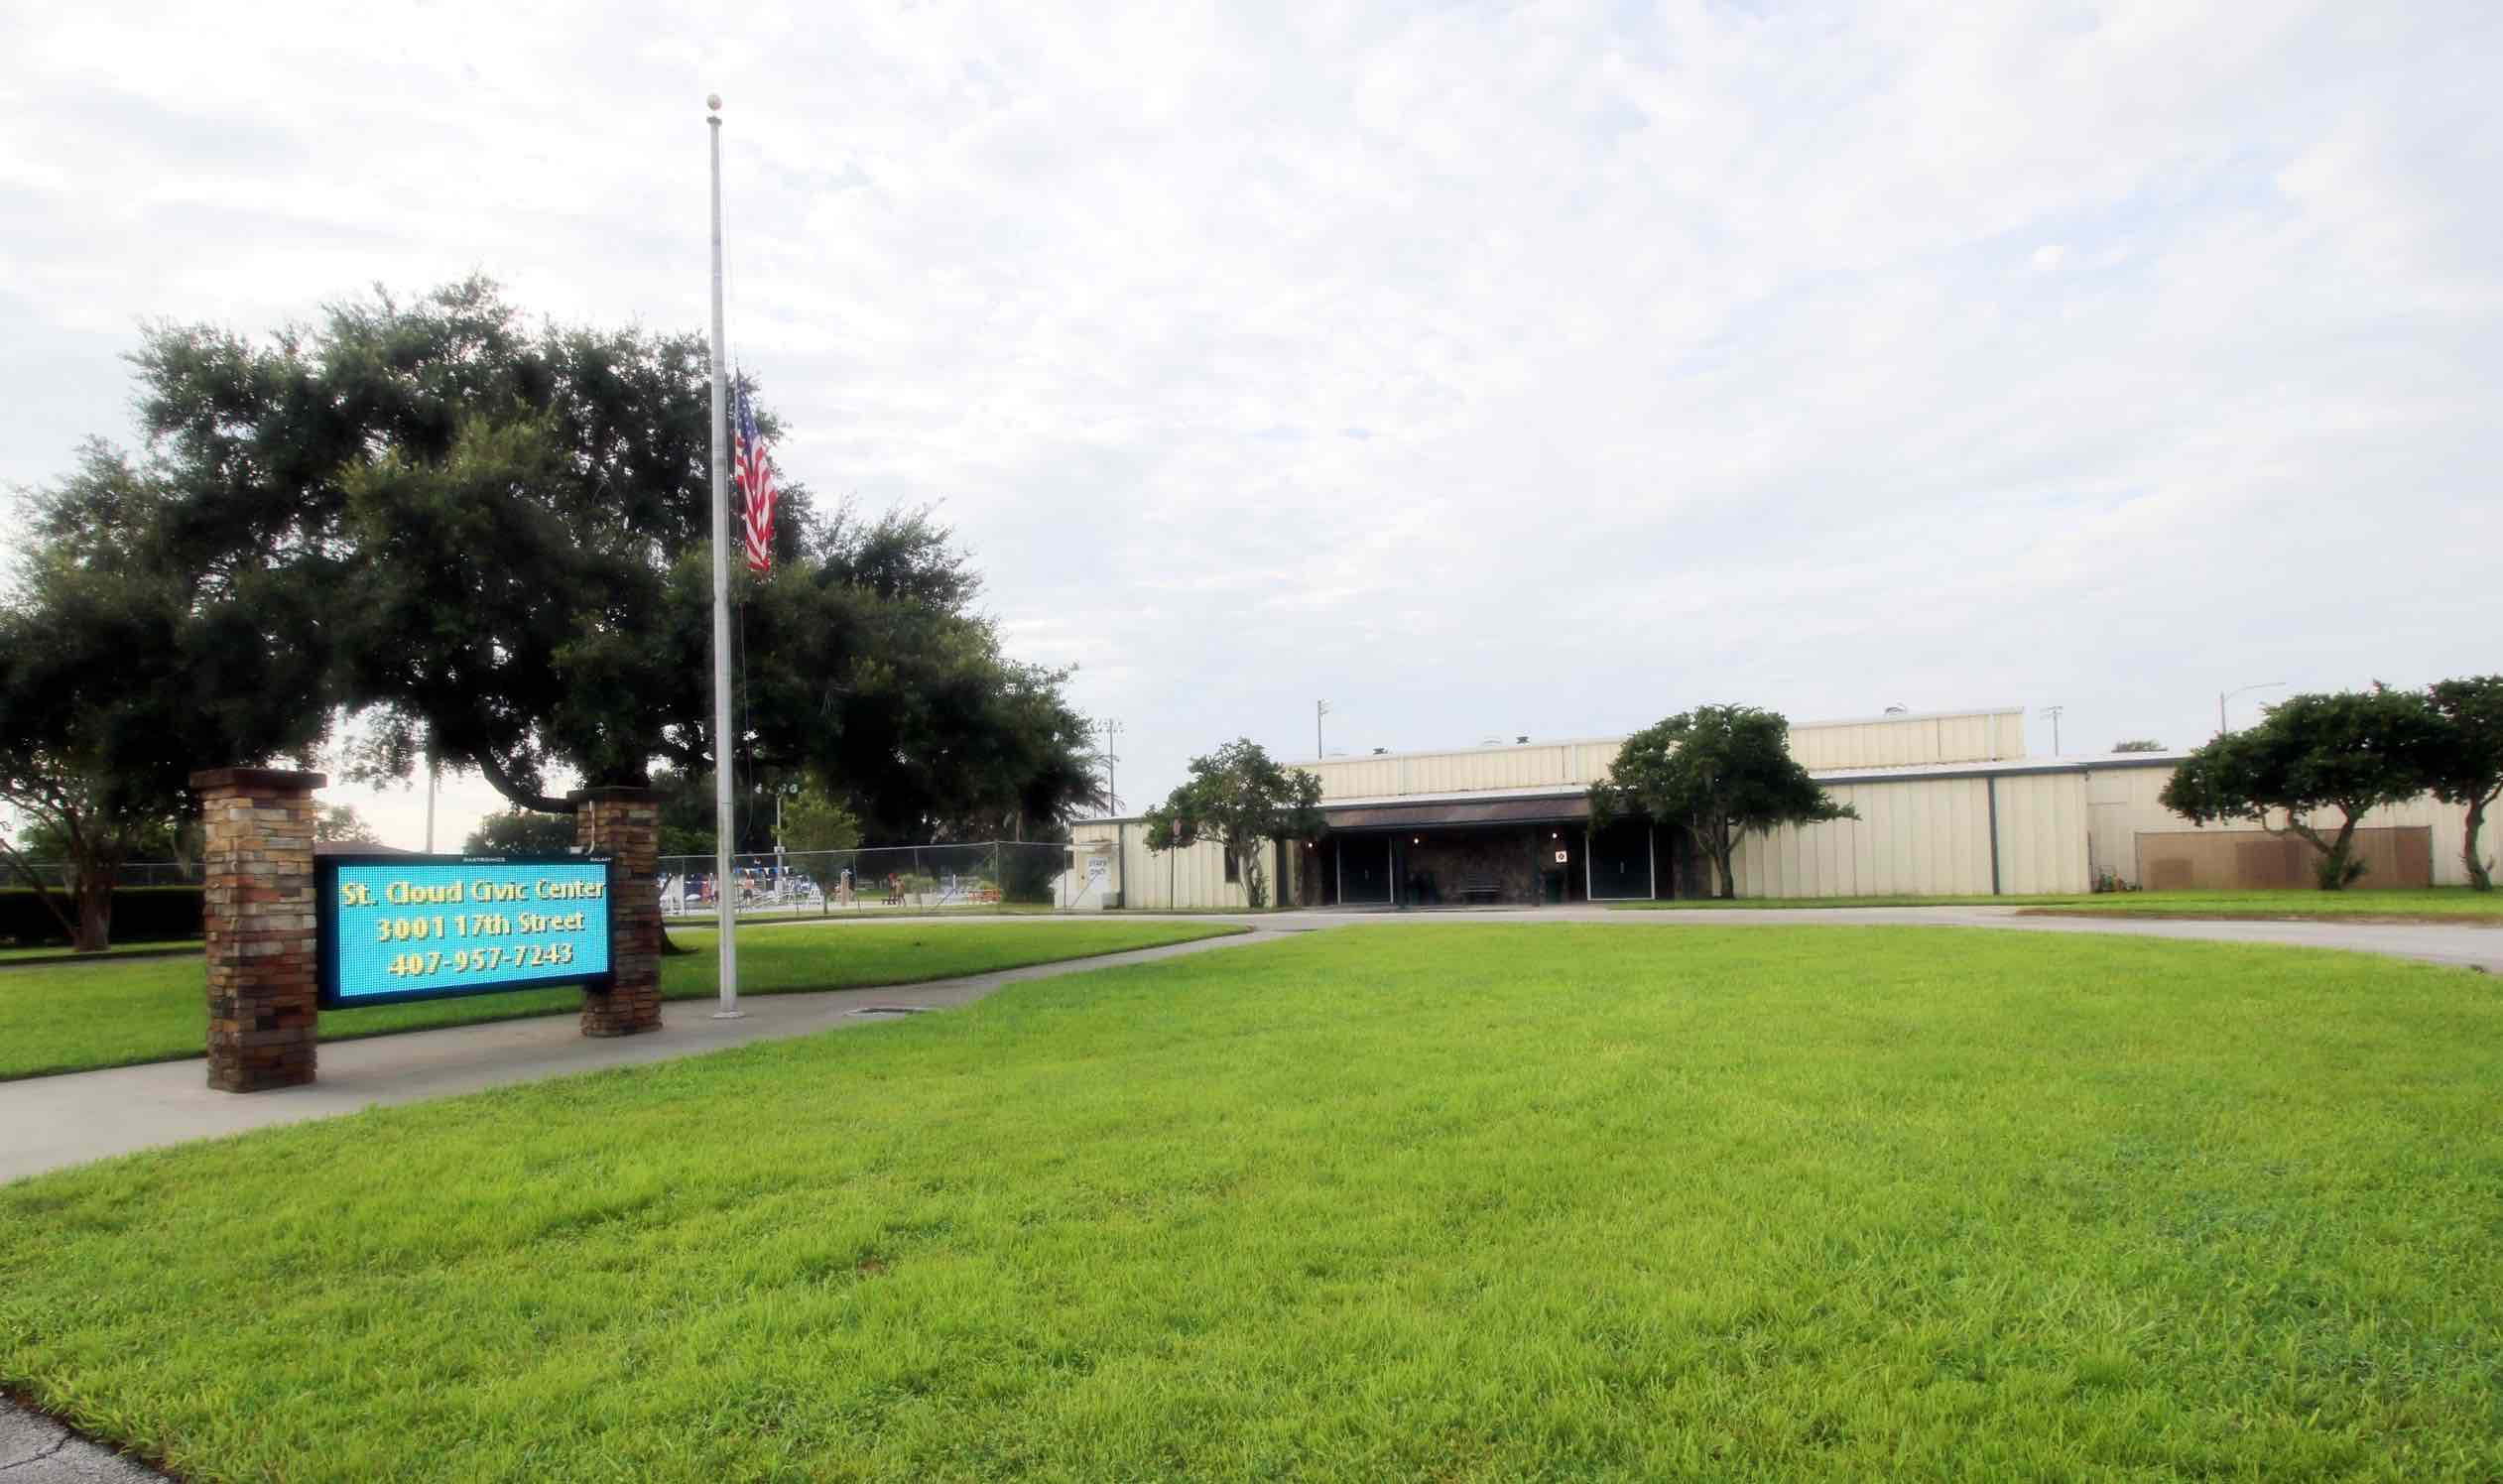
<point>485,542</point>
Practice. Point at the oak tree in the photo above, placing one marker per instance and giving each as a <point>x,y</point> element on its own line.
<point>1241,799</point>
<point>2465,763</point>
<point>2349,751</point>
<point>1720,772</point>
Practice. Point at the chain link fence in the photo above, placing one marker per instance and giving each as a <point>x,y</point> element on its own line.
<point>900,878</point>
<point>989,875</point>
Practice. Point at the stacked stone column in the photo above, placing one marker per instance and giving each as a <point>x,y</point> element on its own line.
<point>257,912</point>
<point>625,823</point>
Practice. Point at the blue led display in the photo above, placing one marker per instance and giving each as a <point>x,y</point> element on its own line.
<point>430,927</point>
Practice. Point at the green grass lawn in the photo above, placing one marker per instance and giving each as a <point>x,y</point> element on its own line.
<point>79,1015</point>
<point>2443,903</point>
<point>1469,1202</point>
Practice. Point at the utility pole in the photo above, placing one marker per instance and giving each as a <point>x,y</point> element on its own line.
<point>2054,713</point>
<point>1320,709</point>
<point>1112,795</point>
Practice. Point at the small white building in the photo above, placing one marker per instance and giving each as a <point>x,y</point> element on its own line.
<point>1948,804</point>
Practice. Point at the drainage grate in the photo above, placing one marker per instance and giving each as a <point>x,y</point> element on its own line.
<point>892,1010</point>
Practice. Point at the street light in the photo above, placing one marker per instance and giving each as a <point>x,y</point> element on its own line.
<point>1112,797</point>
<point>2221,727</point>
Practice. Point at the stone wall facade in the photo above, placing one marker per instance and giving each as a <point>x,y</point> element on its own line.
<point>258,914</point>
<point>625,825</point>
<point>1437,866</point>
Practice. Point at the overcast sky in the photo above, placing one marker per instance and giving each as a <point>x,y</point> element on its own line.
<point>1484,369</point>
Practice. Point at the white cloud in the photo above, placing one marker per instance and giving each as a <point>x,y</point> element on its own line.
<point>1694,345</point>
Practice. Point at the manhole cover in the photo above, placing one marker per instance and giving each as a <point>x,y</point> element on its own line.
<point>891,1010</point>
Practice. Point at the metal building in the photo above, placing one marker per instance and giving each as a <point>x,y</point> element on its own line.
<point>1949,803</point>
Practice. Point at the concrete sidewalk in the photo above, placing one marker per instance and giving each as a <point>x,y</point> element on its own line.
<point>57,1121</point>
<point>35,1449</point>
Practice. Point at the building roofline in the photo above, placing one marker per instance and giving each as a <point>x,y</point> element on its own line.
<point>1894,773</point>
<point>1486,747</point>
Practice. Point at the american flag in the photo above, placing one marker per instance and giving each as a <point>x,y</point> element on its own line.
<point>754,472</point>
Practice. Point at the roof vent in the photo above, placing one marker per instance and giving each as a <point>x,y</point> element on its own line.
<point>1523,738</point>
<point>1380,751</point>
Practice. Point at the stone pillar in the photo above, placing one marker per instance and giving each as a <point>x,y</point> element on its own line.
<point>625,823</point>
<point>257,911</point>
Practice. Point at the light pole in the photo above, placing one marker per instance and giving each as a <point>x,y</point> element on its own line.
<point>1113,795</point>
<point>2054,713</point>
<point>1320,709</point>
<point>2221,727</point>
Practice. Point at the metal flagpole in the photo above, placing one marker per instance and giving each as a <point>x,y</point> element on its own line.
<point>725,898</point>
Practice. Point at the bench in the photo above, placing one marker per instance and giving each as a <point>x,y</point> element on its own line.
<point>1481,889</point>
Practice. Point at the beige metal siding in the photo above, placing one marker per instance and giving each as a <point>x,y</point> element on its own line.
<point>2043,834</point>
<point>1927,837</point>
<point>1177,879</point>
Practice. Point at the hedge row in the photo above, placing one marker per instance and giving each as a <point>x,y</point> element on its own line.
<point>141,914</point>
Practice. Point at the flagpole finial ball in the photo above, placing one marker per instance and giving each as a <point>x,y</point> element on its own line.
<point>713,101</point>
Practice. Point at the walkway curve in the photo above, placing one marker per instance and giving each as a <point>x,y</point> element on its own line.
<point>76,1117</point>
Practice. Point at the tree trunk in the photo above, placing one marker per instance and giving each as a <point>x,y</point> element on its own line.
<point>2335,868</point>
<point>1716,847</point>
<point>95,910</point>
<point>2478,876</point>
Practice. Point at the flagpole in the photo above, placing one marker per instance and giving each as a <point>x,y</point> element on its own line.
<point>725,898</point>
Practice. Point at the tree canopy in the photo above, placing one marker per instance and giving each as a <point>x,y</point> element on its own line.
<point>490,540</point>
<point>521,832</point>
<point>342,824</point>
<point>810,821</point>
<point>1240,798</point>
<point>120,674</point>
<point>2464,764</point>
<point>1718,773</point>
<point>2350,751</point>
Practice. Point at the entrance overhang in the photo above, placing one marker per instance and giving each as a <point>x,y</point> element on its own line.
<point>1437,813</point>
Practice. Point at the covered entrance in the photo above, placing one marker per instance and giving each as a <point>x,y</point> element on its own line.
<point>1501,853</point>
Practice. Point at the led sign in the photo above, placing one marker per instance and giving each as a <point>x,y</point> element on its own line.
<point>398,927</point>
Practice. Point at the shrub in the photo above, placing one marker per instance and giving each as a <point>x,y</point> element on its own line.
<point>141,914</point>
